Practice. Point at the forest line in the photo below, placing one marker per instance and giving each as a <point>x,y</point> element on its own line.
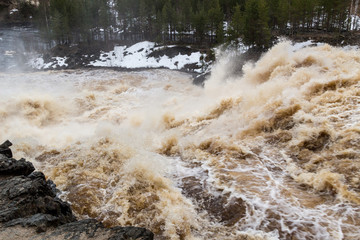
<point>194,22</point>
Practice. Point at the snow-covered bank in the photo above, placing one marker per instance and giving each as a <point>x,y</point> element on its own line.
<point>137,56</point>
<point>140,55</point>
<point>147,55</point>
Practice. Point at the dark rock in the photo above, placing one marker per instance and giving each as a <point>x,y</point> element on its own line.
<point>21,197</point>
<point>119,233</point>
<point>172,51</point>
<point>75,229</point>
<point>190,67</point>
<point>92,229</point>
<point>40,221</point>
<point>5,150</point>
<point>200,79</point>
<point>6,144</point>
<point>52,186</point>
<point>226,209</point>
<point>12,167</point>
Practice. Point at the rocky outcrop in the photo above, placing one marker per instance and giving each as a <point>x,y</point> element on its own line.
<point>5,149</point>
<point>11,167</point>
<point>30,208</point>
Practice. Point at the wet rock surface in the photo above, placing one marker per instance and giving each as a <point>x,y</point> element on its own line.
<point>5,149</point>
<point>220,206</point>
<point>12,167</point>
<point>30,208</point>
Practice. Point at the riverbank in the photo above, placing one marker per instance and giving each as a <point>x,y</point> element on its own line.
<point>22,49</point>
<point>137,56</point>
<point>146,54</point>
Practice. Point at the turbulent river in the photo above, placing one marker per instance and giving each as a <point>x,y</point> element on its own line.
<point>271,154</point>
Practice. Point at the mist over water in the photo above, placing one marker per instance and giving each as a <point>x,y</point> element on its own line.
<point>17,46</point>
<point>270,154</point>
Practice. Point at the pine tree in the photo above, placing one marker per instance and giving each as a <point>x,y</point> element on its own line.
<point>273,13</point>
<point>220,33</point>
<point>158,29</point>
<point>104,18</point>
<point>283,15</point>
<point>200,25</point>
<point>193,21</point>
<point>237,24</point>
<point>216,20</point>
<point>256,30</point>
<point>143,18</point>
<point>169,18</point>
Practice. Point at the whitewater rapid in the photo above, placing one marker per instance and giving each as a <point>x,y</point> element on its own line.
<point>271,154</point>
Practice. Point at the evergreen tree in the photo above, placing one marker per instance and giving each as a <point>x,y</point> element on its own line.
<point>200,26</point>
<point>169,18</point>
<point>143,18</point>
<point>220,33</point>
<point>60,27</point>
<point>191,21</point>
<point>216,20</point>
<point>256,30</point>
<point>186,21</point>
<point>237,24</point>
<point>283,16</point>
<point>273,13</point>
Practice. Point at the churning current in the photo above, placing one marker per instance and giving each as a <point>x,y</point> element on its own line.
<point>271,154</point>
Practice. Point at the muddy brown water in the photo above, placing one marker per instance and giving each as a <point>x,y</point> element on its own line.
<point>271,154</point>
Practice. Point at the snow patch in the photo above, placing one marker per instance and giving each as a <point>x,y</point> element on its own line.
<point>137,56</point>
<point>39,63</point>
<point>14,10</point>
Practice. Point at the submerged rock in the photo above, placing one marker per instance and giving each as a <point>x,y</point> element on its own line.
<point>30,208</point>
<point>228,210</point>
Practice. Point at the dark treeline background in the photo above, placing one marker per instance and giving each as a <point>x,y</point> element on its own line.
<point>196,22</point>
